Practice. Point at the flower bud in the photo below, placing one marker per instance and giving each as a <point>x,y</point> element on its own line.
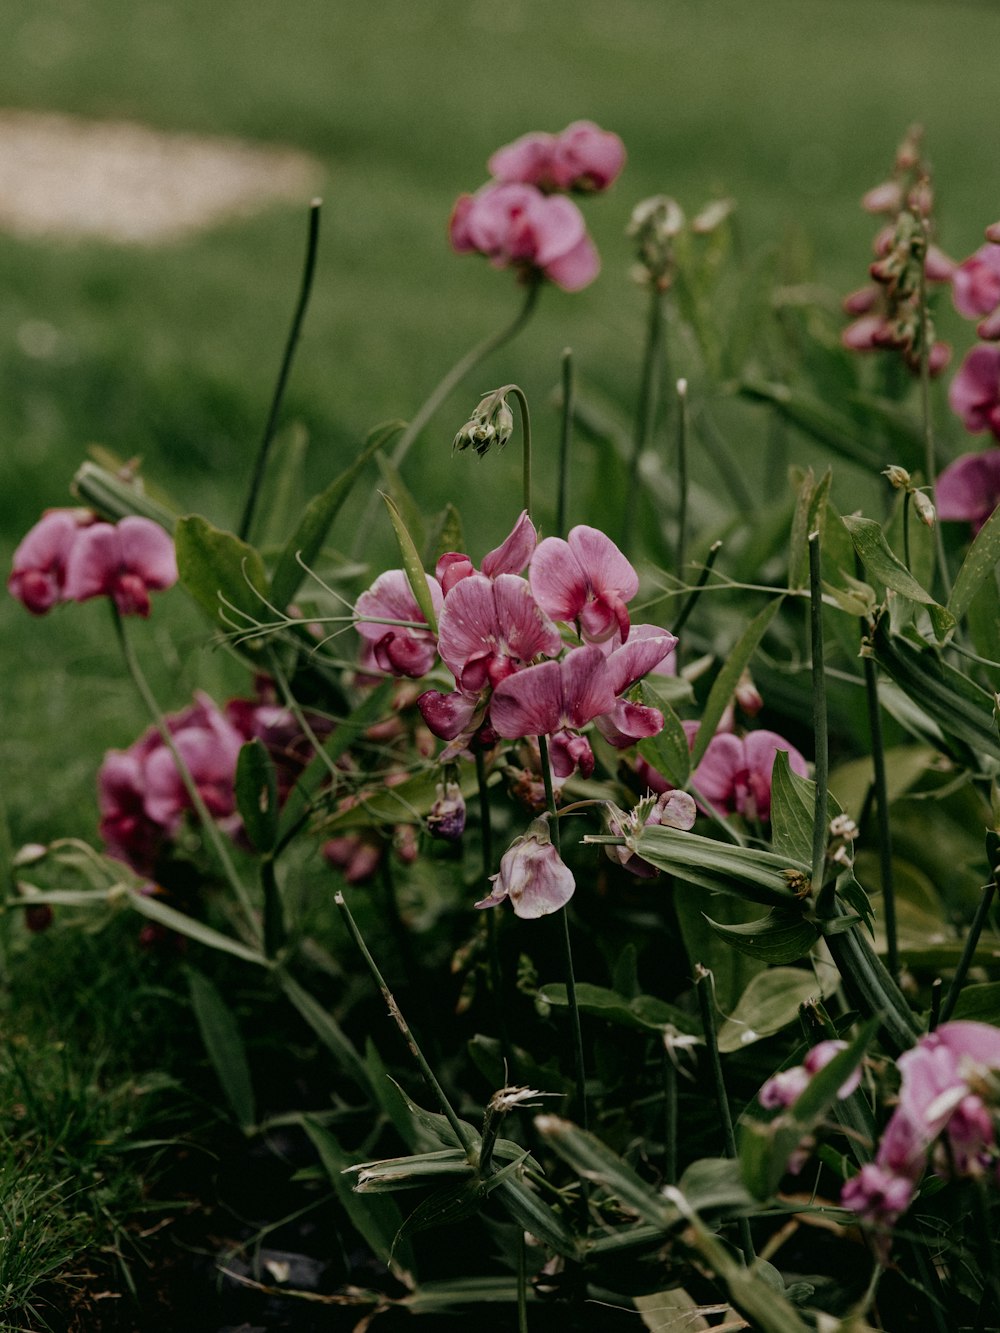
<point>653,226</point>
<point>491,423</point>
<point>532,875</point>
<point>924,507</point>
<point>446,818</point>
<point>898,477</point>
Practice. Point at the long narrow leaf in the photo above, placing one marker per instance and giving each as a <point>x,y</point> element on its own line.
<point>167,916</point>
<point>411,564</point>
<point>978,565</point>
<point>880,560</point>
<point>221,1035</point>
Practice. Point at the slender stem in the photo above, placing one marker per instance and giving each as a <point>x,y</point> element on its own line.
<point>645,417</point>
<point>937,987</point>
<point>822,767</point>
<point>211,829</point>
<point>492,943</point>
<point>274,917</point>
<point>565,440</point>
<point>308,271</point>
<point>451,380</point>
<point>968,952</point>
<point>706,996</point>
<point>396,1013</point>
<point>906,530</point>
<point>522,1282</point>
<point>930,462</point>
<point>689,605</point>
<point>669,1070</point>
<point>574,1008</point>
<point>682,474</point>
<point>522,403</point>
<point>881,788</point>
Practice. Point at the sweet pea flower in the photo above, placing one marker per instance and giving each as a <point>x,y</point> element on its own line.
<point>645,650</point>
<point>585,579</point>
<point>735,772</point>
<point>398,650</point>
<point>974,393</point>
<point>489,628</point>
<point>517,226</point>
<point>124,561</point>
<point>968,490</point>
<point>975,285</point>
<point>510,557</point>
<point>556,699</point>
<point>785,1087</point>
<point>671,809</point>
<point>38,577</point>
<point>583,157</point>
<point>532,875</point>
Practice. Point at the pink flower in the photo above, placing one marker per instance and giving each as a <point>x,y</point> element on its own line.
<point>583,157</point>
<point>532,875</point>
<point>124,561</point>
<point>645,651</point>
<point>547,700</point>
<point>398,650</point>
<point>518,226</point>
<point>586,579</point>
<point>976,283</point>
<point>489,628</point>
<point>508,558</point>
<point>446,817</point>
<point>38,578</point>
<point>975,391</point>
<point>785,1087</point>
<point>355,855</point>
<point>672,809</point>
<point>969,489</point>
<point>735,773</point>
<point>280,732</point>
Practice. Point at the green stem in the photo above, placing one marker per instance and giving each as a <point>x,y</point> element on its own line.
<point>682,474</point>
<point>396,1013</point>
<point>522,1282</point>
<point>565,440</point>
<point>696,591</point>
<point>669,1070</point>
<point>906,530</point>
<point>930,462</point>
<point>211,829</point>
<point>274,918</point>
<point>264,448</point>
<point>522,404</point>
<point>882,806</point>
<point>706,994</point>
<point>492,943</point>
<point>645,417</point>
<point>451,380</point>
<point>822,767</point>
<point>574,1008</point>
<point>968,952</point>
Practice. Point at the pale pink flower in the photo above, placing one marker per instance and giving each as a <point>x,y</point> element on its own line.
<point>584,579</point>
<point>735,772</point>
<point>974,393</point>
<point>38,577</point>
<point>124,561</point>
<point>671,809</point>
<point>583,157</point>
<point>398,650</point>
<point>526,161</point>
<point>968,490</point>
<point>518,226</point>
<point>532,875</point>
<point>355,855</point>
<point>975,287</point>
<point>785,1087</point>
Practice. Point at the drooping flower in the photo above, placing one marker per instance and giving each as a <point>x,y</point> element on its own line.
<point>38,576</point>
<point>583,157</point>
<point>398,649</point>
<point>532,875</point>
<point>735,772</point>
<point>974,393</point>
<point>124,561</point>
<point>517,226</point>
<point>968,490</point>
<point>584,579</point>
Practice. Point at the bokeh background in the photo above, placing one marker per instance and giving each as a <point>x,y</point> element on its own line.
<point>791,107</point>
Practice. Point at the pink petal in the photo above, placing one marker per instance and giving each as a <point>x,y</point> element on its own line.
<point>557,581</point>
<point>586,686</point>
<point>575,269</point>
<point>645,649</point>
<point>528,703</point>
<point>628,723</point>
<point>447,715</point>
<point>976,386</point>
<point>148,551</point>
<point>467,625</point>
<point>607,569</point>
<point>715,777</point>
<point>94,562</point>
<point>527,159</point>
<point>568,751</point>
<point>976,283</point>
<point>585,157</point>
<point>557,228</point>
<point>515,552</point>
<point>525,630</point>
<point>969,488</point>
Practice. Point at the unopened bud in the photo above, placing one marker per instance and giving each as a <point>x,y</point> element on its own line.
<point>446,818</point>
<point>898,477</point>
<point>653,226</point>
<point>843,826</point>
<point>491,423</point>
<point>924,508</point>
<point>712,216</point>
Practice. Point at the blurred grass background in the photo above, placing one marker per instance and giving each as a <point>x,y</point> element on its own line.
<point>793,107</point>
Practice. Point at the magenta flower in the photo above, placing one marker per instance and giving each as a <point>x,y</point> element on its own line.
<point>532,875</point>
<point>968,490</point>
<point>671,809</point>
<point>489,628</point>
<point>518,226</point>
<point>508,558</point>
<point>583,157</point>
<point>646,649</point>
<point>398,650</point>
<point>553,698</point>
<point>38,577</point>
<point>735,773</point>
<point>124,561</point>
<point>974,393</point>
<point>585,579</point>
<point>976,283</point>
<point>784,1088</point>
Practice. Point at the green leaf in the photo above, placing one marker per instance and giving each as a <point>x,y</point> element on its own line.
<point>831,428</point>
<point>779,937</point>
<point>406,803</point>
<point>165,915</point>
<point>646,1013</point>
<point>375,1216</point>
<point>668,752</point>
<point>732,969</point>
<point>221,1035</point>
<point>768,1004</point>
<point>793,801</point>
<point>306,541</point>
<point>453,1202</point>
<point>978,565</point>
<point>257,794</point>
<point>414,570</point>
<point>217,568</point>
<point>745,872</point>
<point>726,681</point>
<point>715,1185</point>
<point>880,561</point>
<point>445,534</point>
<point>329,1032</point>
<point>284,485</point>
<point>402,498</point>
<point>980,1003</point>
<point>534,1215</point>
<point>104,489</point>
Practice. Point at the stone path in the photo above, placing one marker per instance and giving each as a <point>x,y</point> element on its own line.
<point>129,184</point>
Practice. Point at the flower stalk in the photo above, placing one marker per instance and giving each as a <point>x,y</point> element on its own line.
<point>565,440</point>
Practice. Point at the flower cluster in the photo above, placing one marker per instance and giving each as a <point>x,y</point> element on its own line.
<point>944,1116</point>
<point>71,556</point>
<point>519,220</point>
